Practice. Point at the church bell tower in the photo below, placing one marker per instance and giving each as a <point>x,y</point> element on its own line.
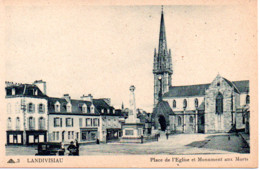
<point>162,67</point>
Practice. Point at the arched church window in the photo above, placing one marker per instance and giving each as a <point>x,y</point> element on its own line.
<point>184,103</point>
<point>179,120</point>
<point>247,99</point>
<point>196,102</point>
<point>174,104</point>
<point>191,119</point>
<point>219,104</point>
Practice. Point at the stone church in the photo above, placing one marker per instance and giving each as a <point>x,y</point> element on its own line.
<point>219,106</point>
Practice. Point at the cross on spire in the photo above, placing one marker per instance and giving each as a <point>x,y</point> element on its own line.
<point>162,8</point>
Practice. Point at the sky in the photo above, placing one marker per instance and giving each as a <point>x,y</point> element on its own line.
<point>103,50</point>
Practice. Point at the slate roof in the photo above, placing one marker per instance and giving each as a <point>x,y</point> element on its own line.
<point>77,104</point>
<point>199,89</point>
<point>162,107</point>
<point>25,90</point>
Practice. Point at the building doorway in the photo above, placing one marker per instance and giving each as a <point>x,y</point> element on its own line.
<point>162,122</point>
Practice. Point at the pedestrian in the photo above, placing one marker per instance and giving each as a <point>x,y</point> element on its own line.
<point>77,146</point>
<point>97,142</point>
<point>142,139</point>
<point>167,136</point>
<point>72,149</point>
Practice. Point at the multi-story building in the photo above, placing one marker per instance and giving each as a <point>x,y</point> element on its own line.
<point>86,119</point>
<point>26,113</point>
<point>219,106</point>
<point>33,117</point>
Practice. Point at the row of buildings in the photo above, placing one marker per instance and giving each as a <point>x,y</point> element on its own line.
<point>34,117</point>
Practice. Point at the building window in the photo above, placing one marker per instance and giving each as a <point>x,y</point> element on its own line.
<point>184,103</point>
<point>9,123</point>
<point>174,104</point>
<point>243,120</point>
<point>57,135</point>
<point>17,123</point>
<point>84,109</point>
<point>219,104</point>
<point>57,108</point>
<point>191,119</point>
<point>68,134</point>
<point>9,108</point>
<point>13,91</point>
<point>31,108</point>
<point>57,122</point>
<point>88,122</point>
<point>41,123</point>
<point>41,108</point>
<point>247,99</point>
<point>69,122</point>
<point>96,122</point>
<point>80,122</point>
<point>31,123</point>
<point>196,102</point>
<point>72,134</point>
<point>53,135</point>
<point>68,107</point>
<point>179,120</point>
<point>17,108</point>
<point>92,109</point>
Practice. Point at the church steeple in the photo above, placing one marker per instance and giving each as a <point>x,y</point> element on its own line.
<point>162,37</point>
<point>162,68</point>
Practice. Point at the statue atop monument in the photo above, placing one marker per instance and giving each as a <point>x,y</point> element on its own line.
<point>132,114</point>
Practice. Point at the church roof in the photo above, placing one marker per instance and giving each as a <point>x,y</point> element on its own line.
<point>199,89</point>
<point>190,90</point>
<point>162,107</point>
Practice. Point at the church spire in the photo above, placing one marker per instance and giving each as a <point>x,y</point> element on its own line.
<point>162,50</point>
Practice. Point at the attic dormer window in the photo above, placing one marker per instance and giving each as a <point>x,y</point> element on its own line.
<point>102,110</point>
<point>36,92</point>
<point>108,111</point>
<point>13,91</point>
<point>84,109</point>
<point>57,107</point>
<point>68,109</point>
<point>92,109</point>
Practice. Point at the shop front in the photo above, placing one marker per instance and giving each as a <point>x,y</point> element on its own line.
<point>35,137</point>
<point>88,134</point>
<point>113,134</point>
<point>14,137</point>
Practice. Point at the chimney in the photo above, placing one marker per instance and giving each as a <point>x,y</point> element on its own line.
<point>41,85</point>
<point>89,98</point>
<point>67,97</point>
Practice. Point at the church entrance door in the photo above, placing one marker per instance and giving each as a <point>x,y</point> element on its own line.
<point>190,125</point>
<point>162,122</point>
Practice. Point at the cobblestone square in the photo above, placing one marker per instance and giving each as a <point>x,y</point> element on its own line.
<point>179,144</point>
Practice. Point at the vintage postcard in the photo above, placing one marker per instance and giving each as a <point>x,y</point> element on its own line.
<point>129,84</point>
